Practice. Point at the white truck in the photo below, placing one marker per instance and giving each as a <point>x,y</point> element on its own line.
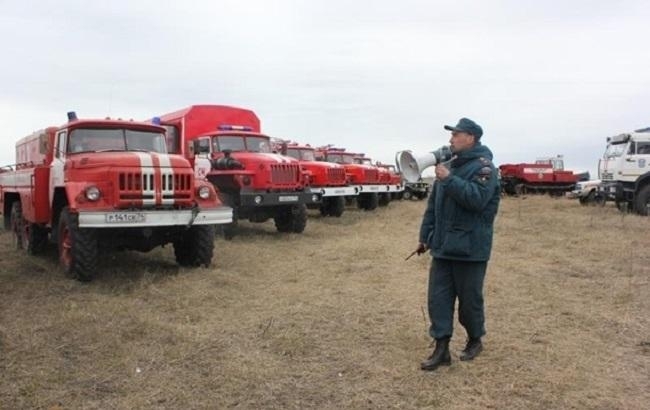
<point>625,171</point>
<point>587,192</point>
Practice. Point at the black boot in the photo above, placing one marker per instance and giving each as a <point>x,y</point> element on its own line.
<point>472,348</point>
<point>439,357</point>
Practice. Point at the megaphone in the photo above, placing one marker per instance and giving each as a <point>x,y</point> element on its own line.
<point>411,165</point>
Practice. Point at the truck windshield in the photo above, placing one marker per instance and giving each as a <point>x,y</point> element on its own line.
<point>615,150</point>
<point>340,159</point>
<point>115,139</point>
<point>364,161</point>
<point>301,154</point>
<point>240,143</point>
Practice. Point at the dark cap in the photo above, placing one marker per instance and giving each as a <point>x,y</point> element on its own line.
<point>468,126</point>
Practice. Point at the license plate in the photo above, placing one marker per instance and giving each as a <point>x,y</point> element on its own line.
<point>374,188</point>
<point>290,198</point>
<point>125,217</point>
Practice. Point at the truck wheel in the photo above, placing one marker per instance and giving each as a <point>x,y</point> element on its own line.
<point>642,201</point>
<point>28,236</point>
<point>230,230</point>
<point>384,199</point>
<point>325,206</point>
<point>337,206</point>
<point>407,195</point>
<point>589,198</point>
<point>372,201</point>
<point>78,249</point>
<point>291,218</point>
<point>599,199</point>
<point>298,218</point>
<point>195,247</point>
<point>282,219</point>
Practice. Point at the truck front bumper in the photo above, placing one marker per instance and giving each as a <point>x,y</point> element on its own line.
<point>335,191</point>
<point>264,199</point>
<point>614,191</point>
<point>379,188</point>
<point>153,218</point>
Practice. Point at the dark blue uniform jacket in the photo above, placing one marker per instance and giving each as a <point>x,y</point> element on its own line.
<point>459,219</point>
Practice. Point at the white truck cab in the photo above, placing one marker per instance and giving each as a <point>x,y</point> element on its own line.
<point>625,171</point>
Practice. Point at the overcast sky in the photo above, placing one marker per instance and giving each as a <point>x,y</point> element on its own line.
<point>542,78</point>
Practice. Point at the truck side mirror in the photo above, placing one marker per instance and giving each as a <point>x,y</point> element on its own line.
<point>43,144</point>
<point>201,146</point>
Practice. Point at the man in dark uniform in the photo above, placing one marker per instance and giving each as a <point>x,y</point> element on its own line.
<point>457,229</point>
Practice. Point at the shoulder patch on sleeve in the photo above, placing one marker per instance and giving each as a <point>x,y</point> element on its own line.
<point>485,161</point>
<point>485,171</point>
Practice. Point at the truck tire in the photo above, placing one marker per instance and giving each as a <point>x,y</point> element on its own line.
<point>325,207</point>
<point>362,201</point>
<point>195,247</point>
<point>28,236</point>
<point>384,199</point>
<point>298,218</point>
<point>337,206</point>
<point>230,230</point>
<point>642,200</point>
<point>291,218</point>
<point>372,201</point>
<point>588,199</point>
<point>407,195</point>
<point>78,250</point>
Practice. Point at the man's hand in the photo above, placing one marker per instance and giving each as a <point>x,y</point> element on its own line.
<point>441,172</point>
<point>418,251</point>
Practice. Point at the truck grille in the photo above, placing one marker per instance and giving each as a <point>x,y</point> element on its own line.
<point>606,176</point>
<point>372,175</point>
<point>287,174</point>
<point>336,175</point>
<point>141,186</point>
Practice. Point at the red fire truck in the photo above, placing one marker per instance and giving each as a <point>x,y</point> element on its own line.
<point>546,175</point>
<point>225,144</point>
<point>394,180</point>
<point>363,177</point>
<point>95,184</point>
<point>326,178</point>
<point>391,186</point>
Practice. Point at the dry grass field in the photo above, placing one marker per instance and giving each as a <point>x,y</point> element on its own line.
<point>334,318</point>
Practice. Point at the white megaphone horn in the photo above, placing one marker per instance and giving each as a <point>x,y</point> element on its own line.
<point>411,165</point>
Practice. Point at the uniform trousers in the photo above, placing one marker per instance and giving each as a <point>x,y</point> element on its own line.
<point>451,279</point>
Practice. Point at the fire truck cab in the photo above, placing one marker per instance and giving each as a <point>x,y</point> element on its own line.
<point>226,146</point>
<point>325,178</point>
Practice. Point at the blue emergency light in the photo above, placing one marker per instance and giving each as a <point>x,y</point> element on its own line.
<point>225,127</point>
<point>72,116</point>
<point>155,121</point>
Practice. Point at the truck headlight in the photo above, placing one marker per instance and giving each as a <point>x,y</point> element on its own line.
<point>204,192</point>
<point>314,198</point>
<point>258,199</point>
<point>92,193</point>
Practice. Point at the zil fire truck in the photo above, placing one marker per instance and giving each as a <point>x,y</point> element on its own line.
<point>364,177</point>
<point>226,145</point>
<point>624,171</point>
<point>326,178</point>
<point>391,185</point>
<point>95,184</point>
